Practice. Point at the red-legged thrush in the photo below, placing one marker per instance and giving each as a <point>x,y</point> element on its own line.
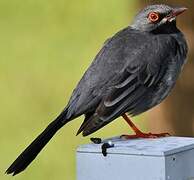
<point>134,71</point>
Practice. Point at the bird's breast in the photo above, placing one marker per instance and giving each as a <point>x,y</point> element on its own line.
<point>168,81</point>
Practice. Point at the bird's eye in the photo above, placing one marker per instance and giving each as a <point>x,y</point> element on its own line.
<point>153,17</point>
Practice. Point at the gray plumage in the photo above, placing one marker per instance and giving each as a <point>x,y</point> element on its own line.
<point>133,72</point>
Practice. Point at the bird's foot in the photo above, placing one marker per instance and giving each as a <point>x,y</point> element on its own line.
<point>145,135</point>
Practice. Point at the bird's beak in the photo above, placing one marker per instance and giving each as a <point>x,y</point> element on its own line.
<point>176,11</point>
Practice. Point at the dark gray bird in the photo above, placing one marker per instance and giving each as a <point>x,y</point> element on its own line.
<point>133,72</point>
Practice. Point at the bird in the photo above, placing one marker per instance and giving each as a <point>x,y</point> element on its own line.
<point>134,71</point>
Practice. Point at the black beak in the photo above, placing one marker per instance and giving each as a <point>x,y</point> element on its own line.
<point>178,11</point>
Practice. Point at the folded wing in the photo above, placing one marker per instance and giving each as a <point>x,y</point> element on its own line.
<point>130,87</point>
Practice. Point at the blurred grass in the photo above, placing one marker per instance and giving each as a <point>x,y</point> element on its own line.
<point>45,48</point>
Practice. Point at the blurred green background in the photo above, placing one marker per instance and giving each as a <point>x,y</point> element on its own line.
<point>45,47</point>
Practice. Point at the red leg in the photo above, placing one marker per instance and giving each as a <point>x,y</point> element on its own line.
<point>138,133</point>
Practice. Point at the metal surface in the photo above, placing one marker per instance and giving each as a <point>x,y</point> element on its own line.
<point>170,158</point>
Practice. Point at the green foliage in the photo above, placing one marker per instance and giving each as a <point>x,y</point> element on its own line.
<point>45,48</point>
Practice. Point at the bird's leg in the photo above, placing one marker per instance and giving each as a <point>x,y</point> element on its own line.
<point>139,133</point>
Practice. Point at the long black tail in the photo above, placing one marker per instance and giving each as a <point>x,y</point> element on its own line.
<point>30,153</point>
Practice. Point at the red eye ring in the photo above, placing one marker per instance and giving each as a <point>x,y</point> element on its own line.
<point>153,17</point>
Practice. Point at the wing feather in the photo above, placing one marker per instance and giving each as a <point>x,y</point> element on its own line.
<point>119,80</point>
<point>133,85</point>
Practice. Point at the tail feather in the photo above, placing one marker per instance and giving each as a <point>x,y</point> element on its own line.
<point>30,153</point>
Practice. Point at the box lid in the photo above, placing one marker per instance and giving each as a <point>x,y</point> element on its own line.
<point>148,147</point>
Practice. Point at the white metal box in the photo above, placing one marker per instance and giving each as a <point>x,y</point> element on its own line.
<point>169,158</point>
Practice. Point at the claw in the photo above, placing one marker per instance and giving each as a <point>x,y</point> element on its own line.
<point>138,133</point>
<point>145,135</point>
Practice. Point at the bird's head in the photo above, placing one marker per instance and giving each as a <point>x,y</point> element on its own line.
<point>156,16</point>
